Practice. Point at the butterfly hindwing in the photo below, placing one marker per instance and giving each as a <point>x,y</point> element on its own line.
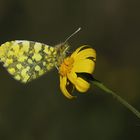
<point>27,60</point>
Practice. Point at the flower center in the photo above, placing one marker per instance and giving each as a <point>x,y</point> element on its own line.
<point>66,66</point>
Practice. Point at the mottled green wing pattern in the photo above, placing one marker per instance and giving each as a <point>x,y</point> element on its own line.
<point>27,60</point>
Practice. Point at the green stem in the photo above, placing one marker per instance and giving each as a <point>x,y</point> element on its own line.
<point>121,100</point>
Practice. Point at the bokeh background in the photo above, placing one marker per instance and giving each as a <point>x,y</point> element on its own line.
<point>38,110</point>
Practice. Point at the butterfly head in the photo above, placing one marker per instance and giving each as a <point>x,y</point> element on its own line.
<point>62,48</point>
<point>62,51</point>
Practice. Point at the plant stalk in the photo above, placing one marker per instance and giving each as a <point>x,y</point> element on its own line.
<point>121,100</point>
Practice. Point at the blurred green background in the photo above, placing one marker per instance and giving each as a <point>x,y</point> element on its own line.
<point>38,110</point>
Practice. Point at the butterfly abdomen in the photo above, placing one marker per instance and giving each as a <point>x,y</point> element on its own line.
<point>27,60</point>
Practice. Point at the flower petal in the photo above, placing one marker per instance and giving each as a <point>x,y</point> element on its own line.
<point>63,85</point>
<point>72,77</point>
<point>81,85</point>
<point>78,49</point>
<point>84,52</point>
<point>84,65</point>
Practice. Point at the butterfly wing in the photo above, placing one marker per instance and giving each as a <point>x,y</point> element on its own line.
<point>27,60</point>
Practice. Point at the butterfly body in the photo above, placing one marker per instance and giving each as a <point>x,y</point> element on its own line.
<point>28,60</point>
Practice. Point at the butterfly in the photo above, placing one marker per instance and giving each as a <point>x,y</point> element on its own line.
<point>27,60</point>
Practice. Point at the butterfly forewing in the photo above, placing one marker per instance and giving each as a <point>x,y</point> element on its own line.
<point>27,60</point>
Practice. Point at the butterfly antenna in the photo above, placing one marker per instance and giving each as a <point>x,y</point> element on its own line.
<point>73,34</point>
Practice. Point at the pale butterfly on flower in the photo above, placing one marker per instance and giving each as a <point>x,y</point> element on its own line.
<point>28,60</point>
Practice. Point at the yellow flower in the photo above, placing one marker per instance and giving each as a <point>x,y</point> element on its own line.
<point>74,70</point>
